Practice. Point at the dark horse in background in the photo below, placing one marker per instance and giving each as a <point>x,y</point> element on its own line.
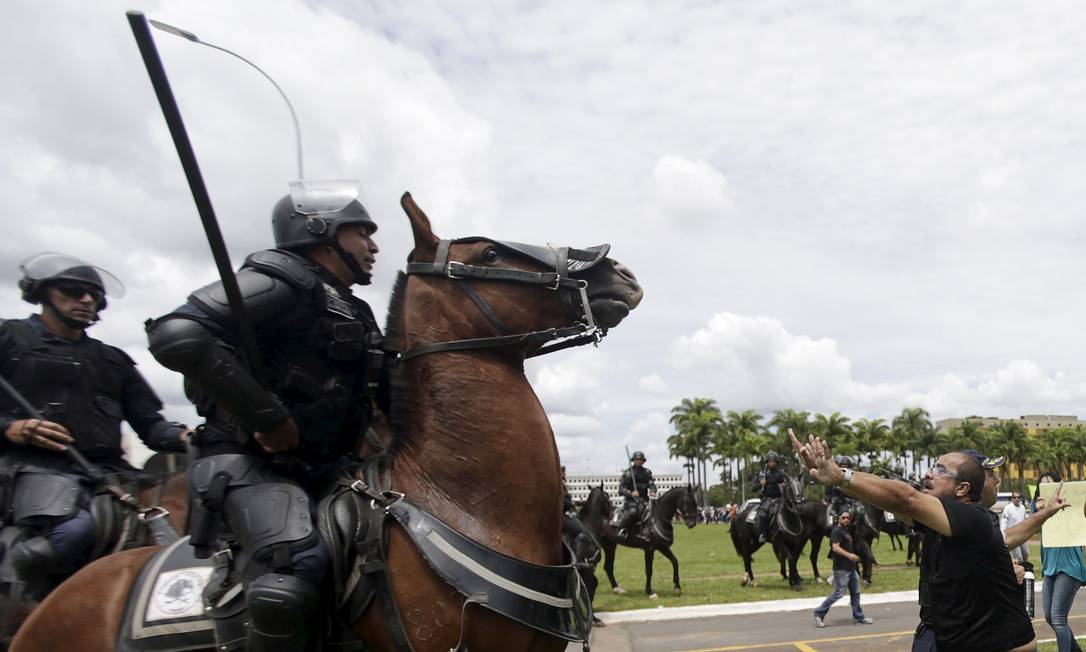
<point>896,528</point>
<point>799,521</point>
<point>472,407</point>
<point>657,534</point>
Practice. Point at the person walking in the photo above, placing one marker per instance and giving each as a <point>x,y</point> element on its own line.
<point>845,576</point>
<point>1012,515</point>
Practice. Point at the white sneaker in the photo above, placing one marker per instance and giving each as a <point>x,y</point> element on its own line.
<point>818,622</point>
<point>866,621</point>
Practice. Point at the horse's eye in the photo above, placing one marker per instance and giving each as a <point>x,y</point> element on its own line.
<point>491,255</point>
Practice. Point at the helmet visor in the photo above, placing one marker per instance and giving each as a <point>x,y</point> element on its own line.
<point>47,266</point>
<point>315,197</point>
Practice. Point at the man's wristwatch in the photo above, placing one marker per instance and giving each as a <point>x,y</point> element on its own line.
<point>847,479</point>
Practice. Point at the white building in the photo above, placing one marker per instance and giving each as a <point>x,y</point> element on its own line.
<point>580,485</point>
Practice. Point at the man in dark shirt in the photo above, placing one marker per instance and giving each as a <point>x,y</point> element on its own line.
<point>845,576</point>
<point>83,389</point>
<point>974,600</point>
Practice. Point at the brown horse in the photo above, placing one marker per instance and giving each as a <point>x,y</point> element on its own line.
<point>171,494</point>
<point>471,444</point>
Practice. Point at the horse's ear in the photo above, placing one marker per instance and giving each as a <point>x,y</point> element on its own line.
<point>425,240</point>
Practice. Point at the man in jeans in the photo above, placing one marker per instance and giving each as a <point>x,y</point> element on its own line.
<point>844,573</point>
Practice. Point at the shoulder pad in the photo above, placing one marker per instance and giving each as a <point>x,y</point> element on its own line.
<point>262,294</point>
<point>284,265</point>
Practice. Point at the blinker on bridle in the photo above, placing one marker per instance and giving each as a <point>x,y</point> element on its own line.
<point>584,331</point>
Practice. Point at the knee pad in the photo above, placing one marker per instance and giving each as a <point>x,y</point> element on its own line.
<point>34,559</point>
<point>281,605</point>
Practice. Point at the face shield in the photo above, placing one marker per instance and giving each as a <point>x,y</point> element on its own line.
<point>51,266</point>
<point>320,197</point>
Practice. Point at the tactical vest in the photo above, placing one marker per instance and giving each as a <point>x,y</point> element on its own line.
<point>79,386</point>
<point>322,353</point>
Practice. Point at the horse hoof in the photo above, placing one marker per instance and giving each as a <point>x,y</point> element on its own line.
<point>618,590</point>
<point>754,585</point>
<point>746,580</point>
<point>677,590</point>
<point>797,587</point>
<point>653,596</point>
<point>819,580</point>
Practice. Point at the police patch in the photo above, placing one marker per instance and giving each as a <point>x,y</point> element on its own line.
<point>336,303</point>
<point>178,594</point>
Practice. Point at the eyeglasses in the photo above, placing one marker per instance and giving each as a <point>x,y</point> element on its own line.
<point>941,471</point>
<point>1013,497</point>
<point>77,291</point>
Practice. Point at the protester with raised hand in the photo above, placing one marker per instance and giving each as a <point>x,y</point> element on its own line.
<point>971,595</point>
<point>1064,572</point>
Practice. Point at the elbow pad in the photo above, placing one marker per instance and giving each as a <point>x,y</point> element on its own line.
<point>186,346</point>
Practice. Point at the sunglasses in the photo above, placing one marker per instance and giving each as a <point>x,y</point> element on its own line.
<point>77,291</point>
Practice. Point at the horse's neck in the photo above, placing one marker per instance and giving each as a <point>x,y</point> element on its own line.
<point>479,453</point>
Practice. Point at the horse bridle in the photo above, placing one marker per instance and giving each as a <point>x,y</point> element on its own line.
<point>583,331</point>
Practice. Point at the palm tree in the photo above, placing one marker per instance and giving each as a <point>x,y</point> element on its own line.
<point>1011,439</point>
<point>782,420</point>
<point>870,435</point>
<point>743,431</point>
<point>698,420</point>
<point>913,424</point>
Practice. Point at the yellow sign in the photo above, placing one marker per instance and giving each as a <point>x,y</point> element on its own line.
<point>1068,527</point>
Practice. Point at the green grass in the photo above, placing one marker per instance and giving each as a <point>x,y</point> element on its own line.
<point>710,571</point>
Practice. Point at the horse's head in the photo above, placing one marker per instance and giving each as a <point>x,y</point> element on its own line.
<point>511,295</point>
<point>688,506</point>
<point>598,503</point>
<point>793,490</point>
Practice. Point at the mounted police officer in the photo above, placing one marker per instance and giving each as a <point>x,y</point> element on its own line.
<point>270,447</point>
<point>768,483</point>
<point>84,389</point>
<point>636,487</point>
<point>838,501</point>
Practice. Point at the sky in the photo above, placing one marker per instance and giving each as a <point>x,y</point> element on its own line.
<point>852,207</point>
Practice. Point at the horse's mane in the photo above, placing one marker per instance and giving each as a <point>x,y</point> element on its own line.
<point>398,395</point>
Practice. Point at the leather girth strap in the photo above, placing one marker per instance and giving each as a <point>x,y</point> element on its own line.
<point>372,545</point>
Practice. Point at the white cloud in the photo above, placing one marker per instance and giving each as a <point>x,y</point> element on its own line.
<point>653,384</point>
<point>690,191</point>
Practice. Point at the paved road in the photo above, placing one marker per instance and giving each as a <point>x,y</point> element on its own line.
<point>784,631</point>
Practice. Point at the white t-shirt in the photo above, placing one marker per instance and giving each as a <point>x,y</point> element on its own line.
<point>1012,516</point>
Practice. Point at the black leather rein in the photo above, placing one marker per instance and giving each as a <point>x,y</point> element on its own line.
<point>582,332</point>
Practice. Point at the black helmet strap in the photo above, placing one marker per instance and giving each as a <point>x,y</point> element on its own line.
<point>361,277</point>
<point>64,319</point>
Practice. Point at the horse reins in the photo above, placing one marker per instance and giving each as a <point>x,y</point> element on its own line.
<point>583,332</point>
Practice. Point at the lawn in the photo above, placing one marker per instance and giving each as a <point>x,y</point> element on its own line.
<point>710,572</point>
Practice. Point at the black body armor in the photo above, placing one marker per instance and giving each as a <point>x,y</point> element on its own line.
<point>321,357</point>
<point>82,387</point>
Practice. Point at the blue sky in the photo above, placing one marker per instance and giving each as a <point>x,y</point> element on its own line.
<point>832,206</point>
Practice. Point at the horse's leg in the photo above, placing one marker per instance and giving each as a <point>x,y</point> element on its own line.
<point>794,579</point>
<point>674,569</point>
<point>649,553</point>
<point>609,564</point>
<point>84,613</point>
<point>780,552</point>
<point>867,560</point>
<point>816,549</point>
<point>895,543</point>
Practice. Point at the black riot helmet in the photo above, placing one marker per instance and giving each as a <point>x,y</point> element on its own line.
<point>41,270</point>
<point>312,214</point>
<point>772,456</point>
<point>638,455</point>
<point>845,462</point>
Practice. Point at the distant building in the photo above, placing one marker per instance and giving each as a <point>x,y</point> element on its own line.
<point>580,485</point>
<point>1032,423</point>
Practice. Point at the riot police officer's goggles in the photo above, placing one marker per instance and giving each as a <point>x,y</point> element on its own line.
<point>78,291</point>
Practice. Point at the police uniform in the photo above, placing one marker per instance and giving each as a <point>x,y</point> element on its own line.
<point>321,359</point>
<point>89,388</point>
<point>635,478</point>
<point>771,495</point>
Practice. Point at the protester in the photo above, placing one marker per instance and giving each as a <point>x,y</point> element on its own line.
<point>971,594</point>
<point>1012,515</point>
<point>1064,572</point>
<point>844,573</point>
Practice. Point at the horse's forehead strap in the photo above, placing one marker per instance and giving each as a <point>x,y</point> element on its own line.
<point>576,260</point>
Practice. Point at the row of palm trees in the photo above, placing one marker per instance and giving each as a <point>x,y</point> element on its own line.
<point>737,441</point>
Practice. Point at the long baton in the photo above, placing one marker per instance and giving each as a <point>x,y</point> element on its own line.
<point>170,111</point>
